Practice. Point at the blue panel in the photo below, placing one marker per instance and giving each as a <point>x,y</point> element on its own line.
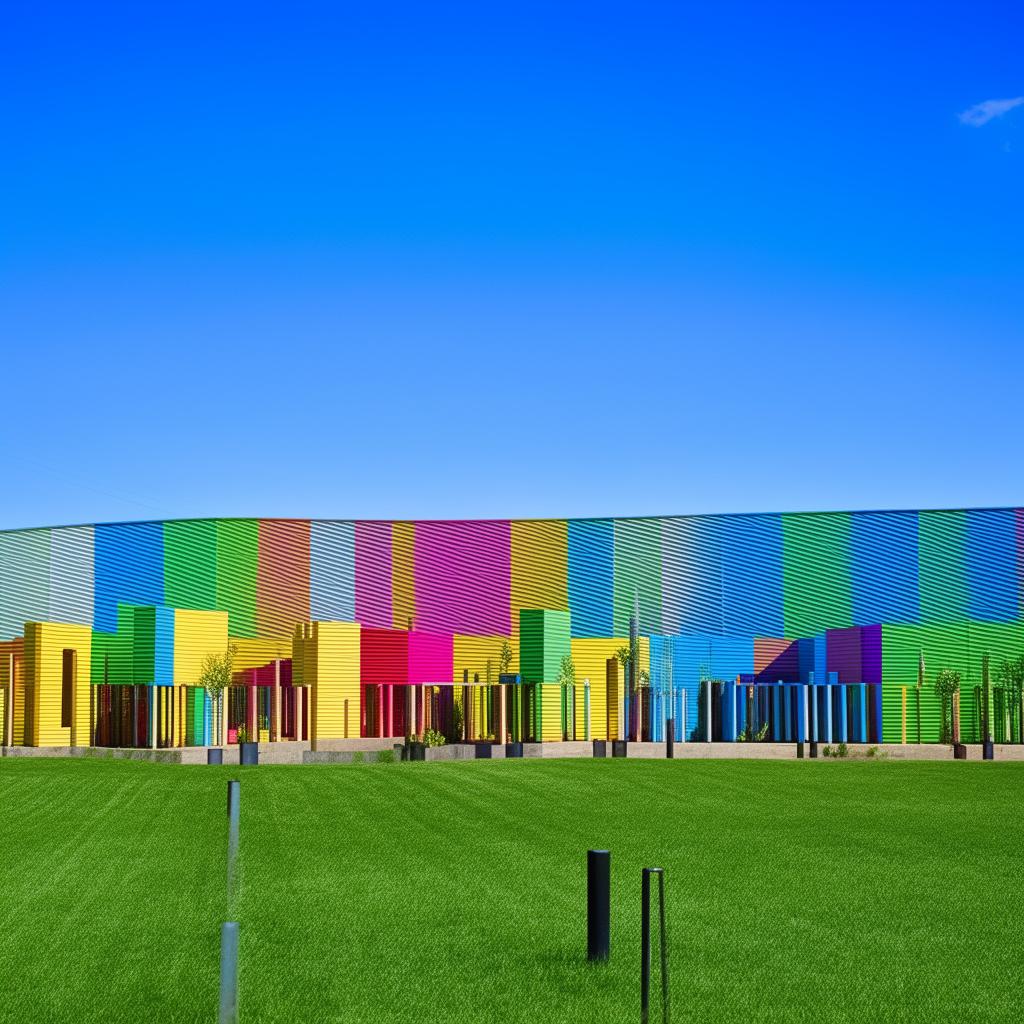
<point>820,660</point>
<point>991,555</point>
<point>731,656</point>
<point>691,594</point>
<point>332,571</point>
<point>883,566</point>
<point>805,658</point>
<point>591,576</point>
<point>752,575</point>
<point>129,566</point>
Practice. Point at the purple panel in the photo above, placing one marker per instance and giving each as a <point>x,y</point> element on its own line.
<point>871,654</point>
<point>843,654</point>
<point>373,574</point>
<point>463,577</point>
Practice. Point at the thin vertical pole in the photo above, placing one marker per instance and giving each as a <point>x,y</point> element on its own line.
<point>234,796</point>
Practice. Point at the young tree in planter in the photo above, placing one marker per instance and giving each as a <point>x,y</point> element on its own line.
<point>215,677</point>
<point>505,658</point>
<point>947,683</point>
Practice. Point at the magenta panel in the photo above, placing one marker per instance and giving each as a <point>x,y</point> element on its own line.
<point>430,657</point>
<point>463,577</point>
<point>1020,558</point>
<point>373,573</point>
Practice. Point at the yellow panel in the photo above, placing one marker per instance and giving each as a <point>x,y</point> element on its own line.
<point>590,656</point>
<point>254,652</point>
<point>45,643</point>
<point>403,596</point>
<point>472,653</point>
<point>539,566</point>
<point>551,713</point>
<point>196,636</point>
<point>327,661</point>
<point>12,659</point>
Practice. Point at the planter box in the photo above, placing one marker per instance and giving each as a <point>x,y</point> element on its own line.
<point>814,748</point>
<point>988,751</point>
<point>416,752</point>
<point>959,751</point>
<point>249,753</point>
<point>619,748</point>
<point>483,750</point>
<point>514,749</point>
<point>215,756</point>
<point>600,748</point>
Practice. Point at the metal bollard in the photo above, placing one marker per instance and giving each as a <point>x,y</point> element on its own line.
<point>234,802</point>
<point>670,737</point>
<point>228,973</point>
<point>599,865</point>
<point>645,946</point>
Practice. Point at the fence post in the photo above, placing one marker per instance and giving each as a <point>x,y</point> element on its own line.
<point>645,945</point>
<point>598,904</point>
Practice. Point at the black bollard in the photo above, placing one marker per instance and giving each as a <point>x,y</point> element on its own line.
<point>800,750</point>
<point>814,748</point>
<point>599,875</point>
<point>228,973</point>
<point>670,737</point>
<point>988,750</point>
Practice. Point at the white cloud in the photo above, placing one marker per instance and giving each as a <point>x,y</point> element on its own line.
<point>982,113</point>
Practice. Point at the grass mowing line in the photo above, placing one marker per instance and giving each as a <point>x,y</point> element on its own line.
<point>884,892</point>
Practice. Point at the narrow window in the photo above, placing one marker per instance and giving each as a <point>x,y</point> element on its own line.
<point>67,687</point>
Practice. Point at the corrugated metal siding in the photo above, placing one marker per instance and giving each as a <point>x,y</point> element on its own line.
<point>591,581</point>
<point>816,578</point>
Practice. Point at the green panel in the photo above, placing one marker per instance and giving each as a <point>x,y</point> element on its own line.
<point>143,643</point>
<point>190,564</point>
<point>942,572</point>
<point>111,660</point>
<point>637,572</point>
<point>816,572</point>
<point>237,559</point>
<point>543,642</point>
<point>956,645</point>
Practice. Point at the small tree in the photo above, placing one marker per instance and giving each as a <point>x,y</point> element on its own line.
<point>567,671</point>
<point>947,683</point>
<point>505,657</point>
<point>215,676</point>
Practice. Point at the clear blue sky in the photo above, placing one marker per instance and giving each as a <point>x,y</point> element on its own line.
<point>416,260</point>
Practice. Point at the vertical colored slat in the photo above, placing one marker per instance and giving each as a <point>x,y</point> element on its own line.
<point>591,544</point>
<point>403,539</point>
<point>332,571</point>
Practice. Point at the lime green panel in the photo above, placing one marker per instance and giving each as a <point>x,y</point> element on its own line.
<point>237,559</point>
<point>190,564</point>
<point>816,572</point>
<point>544,639</point>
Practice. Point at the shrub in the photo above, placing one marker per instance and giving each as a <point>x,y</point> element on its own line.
<point>432,738</point>
<point>385,757</point>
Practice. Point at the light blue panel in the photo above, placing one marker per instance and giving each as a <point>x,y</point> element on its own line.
<point>728,713</point>
<point>751,559</point>
<point>820,659</point>
<point>991,556</point>
<point>332,571</point>
<point>24,580</point>
<point>129,567</point>
<point>591,567</point>
<point>884,567</point>
<point>839,716</point>
<point>163,653</point>
<point>71,575</point>
<point>690,655</point>
<point>691,559</point>
<point>731,656</point>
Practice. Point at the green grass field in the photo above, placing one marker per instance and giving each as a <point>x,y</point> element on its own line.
<point>455,892</point>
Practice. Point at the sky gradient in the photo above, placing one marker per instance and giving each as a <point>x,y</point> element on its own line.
<point>440,261</point>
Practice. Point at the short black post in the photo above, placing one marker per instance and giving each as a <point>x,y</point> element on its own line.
<point>988,750</point>
<point>670,737</point>
<point>814,748</point>
<point>599,875</point>
<point>800,750</point>
<point>645,946</point>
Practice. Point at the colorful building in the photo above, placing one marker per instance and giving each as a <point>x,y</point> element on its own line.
<point>346,629</point>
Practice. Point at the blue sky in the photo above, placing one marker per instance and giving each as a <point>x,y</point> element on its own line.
<point>407,260</point>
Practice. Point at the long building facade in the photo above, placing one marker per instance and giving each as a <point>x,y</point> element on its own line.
<point>755,614</point>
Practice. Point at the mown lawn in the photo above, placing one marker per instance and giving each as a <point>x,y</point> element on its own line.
<point>455,892</point>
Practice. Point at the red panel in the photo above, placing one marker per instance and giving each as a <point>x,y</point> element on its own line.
<point>383,656</point>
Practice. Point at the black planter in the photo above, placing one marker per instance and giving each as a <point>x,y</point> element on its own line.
<point>988,751</point>
<point>400,750</point>
<point>600,748</point>
<point>215,756</point>
<point>483,750</point>
<point>814,748</point>
<point>619,748</point>
<point>249,753</point>
<point>960,751</point>
<point>514,749</point>
<point>417,752</point>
